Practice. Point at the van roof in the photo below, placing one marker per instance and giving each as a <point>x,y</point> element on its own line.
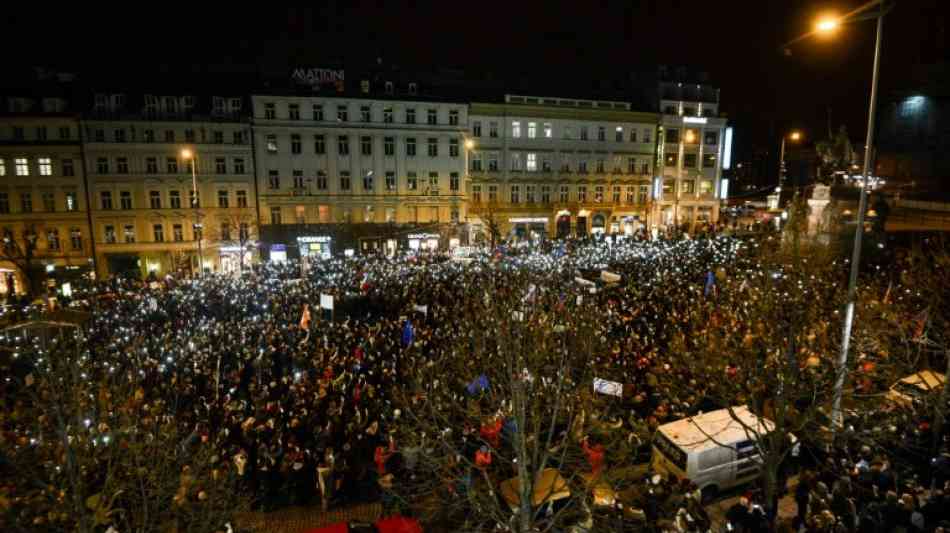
<point>714,428</point>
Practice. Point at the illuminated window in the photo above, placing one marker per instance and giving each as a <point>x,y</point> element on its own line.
<point>271,142</point>
<point>516,129</point>
<point>72,202</point>
<point>22,166</point>
<point>477,194</point>
<point>46,166</point>
<point>618,134</point>
<point>705,187</point>
<point>109,234</point>
<point>548,130</point>
<point>532,162</point>
<point>492,193</point>
<point>3,167</point>
<point>532,130</point>
<point>515,194</point>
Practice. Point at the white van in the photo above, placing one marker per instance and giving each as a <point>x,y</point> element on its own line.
<point>713,450</point>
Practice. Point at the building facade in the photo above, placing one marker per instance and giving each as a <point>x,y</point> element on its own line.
<point>693,146</point>
<point>139,159</point>
<point>359,172</point>
<point>43,211</point>
<point>546,167</point>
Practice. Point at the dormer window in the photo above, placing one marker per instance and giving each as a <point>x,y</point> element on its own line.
<point>413,89</point>
<point>389,87</point>
<point>364,86</point>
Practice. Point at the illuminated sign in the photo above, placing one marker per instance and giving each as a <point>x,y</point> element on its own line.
<point>318,77</point>
<point>529,220</point>
<point>727,155</point>
<point>657,188</point>
<point>724,189</point>
<point>694,120</point>
<point>309,238</point>
<point>423,236</point>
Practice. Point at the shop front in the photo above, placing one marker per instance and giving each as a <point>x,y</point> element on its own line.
<point>315,246</point>
<point>278,253</point>
<point>230,258</point>
<point>563,224</point>
<point>423,241</point>
<point>598,224</point>
<point>529,228</point>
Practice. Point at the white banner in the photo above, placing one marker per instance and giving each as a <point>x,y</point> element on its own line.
<point>326,301</point>
<point>583,281</point>
<point>611,388</point>
<point>424,309</point>
<point>609,277</point>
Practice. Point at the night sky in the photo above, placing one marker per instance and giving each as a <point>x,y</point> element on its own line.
<point>739,44</point>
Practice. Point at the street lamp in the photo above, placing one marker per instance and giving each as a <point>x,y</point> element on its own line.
<point>192,156</point>
<point>794,136</point>
<point>827,25</point>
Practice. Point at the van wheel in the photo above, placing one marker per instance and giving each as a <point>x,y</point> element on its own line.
<point>709,493</point>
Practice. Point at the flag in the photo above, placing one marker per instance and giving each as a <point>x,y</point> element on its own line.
<point>611,388</point>
<point>424,309</point>
<point>407,333</point>
<point>530,294</point>
<point>710,282</point>
<point>305,317</point>
<point>479,384</point>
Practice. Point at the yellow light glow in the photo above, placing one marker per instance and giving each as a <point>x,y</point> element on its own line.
<point>795,135</point>
<point>186,153</point>
<point>690,136</point>
<point>826,25</point>
<point>469,144</point>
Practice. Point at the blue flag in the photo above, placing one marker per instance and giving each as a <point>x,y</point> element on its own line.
<point>710,282</point>
<point>478,385</point>
<point>407,333</point>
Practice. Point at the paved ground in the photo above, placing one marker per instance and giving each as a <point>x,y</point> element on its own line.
<point>786,506</point>
<point>302,519</point>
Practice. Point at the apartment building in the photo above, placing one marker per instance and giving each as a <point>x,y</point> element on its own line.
<point>556,167</point>
<point>43,211</point>
<point>338,173</point>
<point>140,155</point>
<point>694,143</point>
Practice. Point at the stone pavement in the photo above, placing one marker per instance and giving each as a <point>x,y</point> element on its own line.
<point>302,519</point>
<point>787,507</point>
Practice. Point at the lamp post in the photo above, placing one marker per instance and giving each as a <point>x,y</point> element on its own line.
<point>795,136</point>
<point>841,369</point>
<point>192,156</point>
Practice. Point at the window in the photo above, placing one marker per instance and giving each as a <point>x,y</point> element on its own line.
<point>618,134</point>
<point>532,130</point>
<point>148,136</point>
<point>344,180</point>
<point>582,166</point>
<point>241,198</point>
<point>122,165</point>
<point>412,183</point>
<point>476,128</point>
<point>453,117</point>
<point>237,137</point>
<point>224,198</point>
<point>669,110</point>
<point>667,187</point>
<point>295,145</point>
<point>169,136</point>
<point>532,162</point>
<point>493,129</point>
<point>493,161</point>
<point>194,199</point>
<point>705,187</point>
<point>273,180</point>
<point>600,166</point>
<point>125,200</point>
<point>616,194</point>
<point>477,194</point>
<point>239,165</point>
<point>225,232</point>
<point>492,193</point>
<point>270,111</point>
<point>321,180</point>
<point>529,193</point>
<point>22,166</point>
<point>545,194</point>
<point>41,133</point>
<point>476,162</point>
<point>711,138</point>
<point>300,214</point>
<point>672,135</point>
<point>432,116</point>
<point>158,233</point>
<point>516,164</point>
<point>72,202</point>
<point>688,187</point>
<point>390,181</point>
<point>75,238</point>
<point>343,145</point>
<point>631,165</point>
<point>105,199</point>
<point>433,183</point>
<point>643,194</point>
<point>366,145</point>
<point>65,132</point>
<point>271,143</point>
<point>49,201</point>
<point>433,147</point>
<point>151,165</point>
<point>670,159</point>
<point>410,147</point>
<point>119,136</point>
<point>647,134</point>
<point>3,167</point>
<point>178,234</point>
<point>689,160</point>
<point>516,129</point>
<point>583,133</point>
<point>220,165</point>
<point>564,194</point>
<point>388,115</point>
<point>389,146</point>
<point>129,232</point>
<point>46,166</point>
<point>244,231</point>
<point>410,116</point>
<point>601,133</point>
<point>189,135</point>
<point>368,180</point>
<point>275,215</point>
<point>453,147</point>
<point>364,113</point>
<point>515,194</point>
<point>99,135</point>
<point>293,111</point>
<point>645,168</point>
<point>581,193</point>
<point>171,165</point>
<point>319,144</point>
<point>109,232</point>
<point>342,114</point>
<point>52,239</point>
<point>26,202</point>
<point>174,199</point>
<point>318,112</point>
<point>454,181</point>
<point>155,199</point>
<point>599,193</point>
<point>709,160</point>
<point>413,88</point>
<point>689,111</point>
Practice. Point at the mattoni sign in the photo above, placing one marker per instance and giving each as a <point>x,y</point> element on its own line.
<point>317,77</point>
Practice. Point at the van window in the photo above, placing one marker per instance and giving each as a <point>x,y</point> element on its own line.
<point>747,459</point>
<point>670,450</point>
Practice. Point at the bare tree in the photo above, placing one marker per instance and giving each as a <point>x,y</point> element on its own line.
<point>21,252</point>
<point>237,229</point>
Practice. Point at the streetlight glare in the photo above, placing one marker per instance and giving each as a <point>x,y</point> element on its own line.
<point>186,153</point>
<point>795,135</point>
<point>826,25</point>
<point>469,144</point>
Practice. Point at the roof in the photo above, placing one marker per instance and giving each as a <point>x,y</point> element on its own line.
<point>715,428</point>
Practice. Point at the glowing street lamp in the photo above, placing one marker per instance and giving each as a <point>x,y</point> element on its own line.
<point>794,136</point>
<point>189,155</point>
<point>827,25</point>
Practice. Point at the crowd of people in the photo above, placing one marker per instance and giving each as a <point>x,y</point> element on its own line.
<point>299,400</point>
